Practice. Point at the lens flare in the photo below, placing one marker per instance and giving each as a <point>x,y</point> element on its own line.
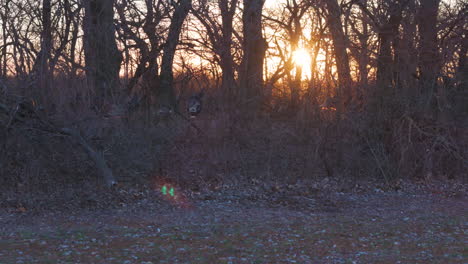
<point>173,195</point>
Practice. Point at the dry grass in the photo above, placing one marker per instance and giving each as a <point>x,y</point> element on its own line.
<point>229,146</point>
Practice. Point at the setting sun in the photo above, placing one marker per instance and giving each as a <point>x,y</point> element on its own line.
<point>301,58</point>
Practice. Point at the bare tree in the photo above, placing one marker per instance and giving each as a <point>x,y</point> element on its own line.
<point>20,22</point>
<point>387,26</point>
<point>360,47</point>
<point>220,35</point>
<point>453,42</point>
<point>144,34</point>
<point>66,35</point>
<point>316,42</point>
<point>102,56</point>
<point>291,22</point>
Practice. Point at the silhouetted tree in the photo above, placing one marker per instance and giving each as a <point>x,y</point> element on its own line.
<point>339,47</point>
<point>360,46</point>
<point>4,46</point>
<point>41,65</point>
<point>165,92</point>
<point>462,67</point>
<point>428,47</point>
<point>220,35</point>
<point>387,26</point>
<point>101,54</point>
<point>147,45</point>
<point>254,47</point>
<point>291,23</point>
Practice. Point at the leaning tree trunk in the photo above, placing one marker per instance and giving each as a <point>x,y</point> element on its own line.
<point>166,98</point>
<point>102,57</point>
<point>339,46</point>
<point>254,47</point>
<point>428,55</point>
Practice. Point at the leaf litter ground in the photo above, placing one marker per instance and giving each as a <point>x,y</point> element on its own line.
<point>222,227</point>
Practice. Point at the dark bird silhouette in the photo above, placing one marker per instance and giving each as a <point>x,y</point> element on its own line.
<point>194,104</point>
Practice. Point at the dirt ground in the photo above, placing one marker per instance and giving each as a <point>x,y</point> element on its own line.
<point>282,226</point>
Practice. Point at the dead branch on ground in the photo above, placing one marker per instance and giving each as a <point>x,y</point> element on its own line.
<point>22,112</point>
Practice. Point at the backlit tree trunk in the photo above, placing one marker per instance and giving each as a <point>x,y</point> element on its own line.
<point>3,48</point>
<point>165,92</point>
<point>428,55</point>
<point>407,58</point>
<point>41,65</point>
<point>462,67</point>
<point>387,36</point>
<point>339,46</point>
<point>102,57</point>
<point>227,63</point>
<point>254,48</point>
<point>364,54</point>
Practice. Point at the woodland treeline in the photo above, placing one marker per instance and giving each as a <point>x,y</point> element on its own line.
<point>381,81</point>
<point>413,47</point>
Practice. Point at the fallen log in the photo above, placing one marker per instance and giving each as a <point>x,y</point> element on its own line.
<point>98,159</point>
<point>46,126</point>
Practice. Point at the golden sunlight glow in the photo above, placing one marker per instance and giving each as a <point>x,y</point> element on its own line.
<point>301,58</point>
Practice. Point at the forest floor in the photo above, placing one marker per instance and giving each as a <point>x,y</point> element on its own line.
<point>281,225</point>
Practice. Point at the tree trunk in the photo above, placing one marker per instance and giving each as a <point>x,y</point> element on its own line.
<point>3,48</point>
<point>364,54</point>
<point>254,47</point>
<point>227,63</point>
<point>102,57</point>
<point>41,64</point>
<point>462,71</point>
<point>73,47</point>
<point>407,53</point>
<point>387,37</point>
<point>384,60</point>
<point>165,93</point>
<point>339,46</point>
<point>428,55</point>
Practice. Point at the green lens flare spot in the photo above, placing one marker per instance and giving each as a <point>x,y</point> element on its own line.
<point>171,191</point>
<point>164,190</point>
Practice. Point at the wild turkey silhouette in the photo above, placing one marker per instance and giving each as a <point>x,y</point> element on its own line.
<point>194,104</point>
